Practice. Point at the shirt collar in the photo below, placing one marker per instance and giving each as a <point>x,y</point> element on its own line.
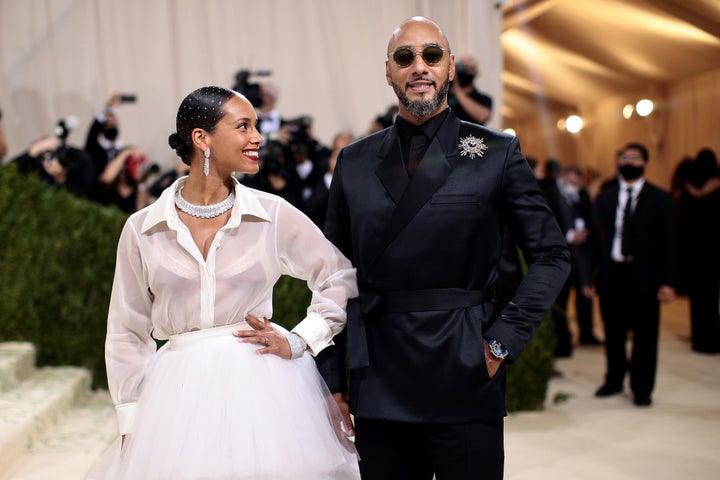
<point>636,186</point>
<point>429,126</point>
<point>163,210</point>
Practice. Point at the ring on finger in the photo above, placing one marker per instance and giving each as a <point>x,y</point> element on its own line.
<point>266,341</point>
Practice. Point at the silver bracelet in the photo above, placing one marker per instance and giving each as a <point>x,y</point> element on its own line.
<point>297,345</point>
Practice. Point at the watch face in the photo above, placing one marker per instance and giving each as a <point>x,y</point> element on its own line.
<point>498,350</point>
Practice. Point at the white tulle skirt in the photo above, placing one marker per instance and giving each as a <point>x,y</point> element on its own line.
<point>211,408</point>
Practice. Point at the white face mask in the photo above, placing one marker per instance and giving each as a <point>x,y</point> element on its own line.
<point>570,189</point>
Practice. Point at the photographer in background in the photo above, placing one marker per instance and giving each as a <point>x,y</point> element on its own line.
<point>262,96</point>
<point>3,142</point>
<point>291,162</point>
<point>126,180</point>
<point>103,142</point>
<point>269,117</point>
<point>59,164</point>
<point>466,102</point>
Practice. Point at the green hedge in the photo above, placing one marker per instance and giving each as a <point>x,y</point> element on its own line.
<point>57,258</point>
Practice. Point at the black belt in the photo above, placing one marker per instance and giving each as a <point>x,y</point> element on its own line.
<point>364,308</point>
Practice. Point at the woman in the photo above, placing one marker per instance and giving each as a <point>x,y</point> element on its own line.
<point>230,395</point>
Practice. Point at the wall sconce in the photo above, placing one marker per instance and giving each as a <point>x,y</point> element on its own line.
<point>510,131</point>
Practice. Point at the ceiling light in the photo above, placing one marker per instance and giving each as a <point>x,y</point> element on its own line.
<point>573,124</point>
<point>644,107</point>
<point>627,111</point>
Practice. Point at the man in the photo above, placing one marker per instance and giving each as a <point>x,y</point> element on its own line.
<point>636,250</point>
<point>268,115</point>
<point>423,226</point>
<point>571,205</point>
<point>466,102</point>
<point>580,206</point>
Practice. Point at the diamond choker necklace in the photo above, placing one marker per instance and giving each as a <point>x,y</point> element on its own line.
<point>204,211</point>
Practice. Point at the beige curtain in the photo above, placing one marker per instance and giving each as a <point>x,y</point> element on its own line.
<point>65,57</point>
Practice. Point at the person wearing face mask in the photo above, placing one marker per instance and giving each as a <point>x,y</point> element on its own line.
<point>571,205</point>
<point>635,241</point>
<point>578,204</point>
<point>103,142</point>
<point>466,102</point>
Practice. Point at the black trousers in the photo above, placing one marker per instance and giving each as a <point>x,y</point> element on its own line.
<point>411,451</point>
<point>704,315</point>
<point>624,310</point>
<point>583,309</point>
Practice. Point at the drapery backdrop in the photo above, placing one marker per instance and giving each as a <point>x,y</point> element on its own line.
<point>65,57</point>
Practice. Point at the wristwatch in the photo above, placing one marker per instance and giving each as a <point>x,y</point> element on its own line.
<point>497,349</point>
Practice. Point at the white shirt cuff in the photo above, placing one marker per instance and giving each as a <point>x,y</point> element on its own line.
<point>126,417</point>
<point>315,331</point>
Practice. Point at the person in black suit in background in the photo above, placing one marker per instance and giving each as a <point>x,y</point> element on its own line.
<point>636,236</point>
<point>420,209</point>
<point>578,218</point>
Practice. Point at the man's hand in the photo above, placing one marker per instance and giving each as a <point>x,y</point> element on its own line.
<point>45,144</point>
<point>493,363</point>
<point>113,100</point>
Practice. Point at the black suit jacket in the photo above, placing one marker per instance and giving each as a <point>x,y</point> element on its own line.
<point>440,230</point>
<point>653,244</point>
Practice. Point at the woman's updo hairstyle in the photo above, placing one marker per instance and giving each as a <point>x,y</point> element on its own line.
<point>202,108</point>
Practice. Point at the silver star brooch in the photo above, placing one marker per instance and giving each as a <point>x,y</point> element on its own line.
<point>471,146</point>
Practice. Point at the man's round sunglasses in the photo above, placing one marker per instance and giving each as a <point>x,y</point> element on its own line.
<point>431,55</point>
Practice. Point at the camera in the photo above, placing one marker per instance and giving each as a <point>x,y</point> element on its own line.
<point>62,130</point>
<point>300,138</point>
<point>250,90</point>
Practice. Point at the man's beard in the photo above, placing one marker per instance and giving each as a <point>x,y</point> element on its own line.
<point>423,108</point>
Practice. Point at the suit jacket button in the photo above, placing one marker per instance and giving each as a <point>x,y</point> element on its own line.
<point>370,279</point>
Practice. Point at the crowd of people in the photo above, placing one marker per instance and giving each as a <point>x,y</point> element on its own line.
<point>105,169</point>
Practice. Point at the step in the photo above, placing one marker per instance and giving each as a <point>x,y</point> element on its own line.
<point>17,362</point>
<point>29,408</point>
<point>70,449</point>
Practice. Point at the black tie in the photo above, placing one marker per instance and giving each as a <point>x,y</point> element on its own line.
<point>417,149</point>
<point>626,225</point>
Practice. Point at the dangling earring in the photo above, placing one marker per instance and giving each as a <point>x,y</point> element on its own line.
<point>206,166</point>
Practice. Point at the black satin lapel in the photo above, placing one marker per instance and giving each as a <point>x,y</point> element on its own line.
<point>391,170</point>
<point>431,173</point>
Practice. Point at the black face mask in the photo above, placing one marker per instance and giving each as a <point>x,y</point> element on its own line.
<point>111,133</point>
<point>631,172</point>
<point>464,79</point>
